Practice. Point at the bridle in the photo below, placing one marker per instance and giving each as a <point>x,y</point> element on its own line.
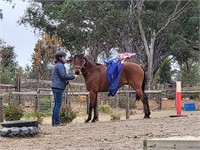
<point>80,67</point>
<point>83,66</point>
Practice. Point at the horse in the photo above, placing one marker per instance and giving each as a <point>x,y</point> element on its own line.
<point>96,81</point>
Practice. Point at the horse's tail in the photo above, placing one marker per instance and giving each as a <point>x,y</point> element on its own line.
<point>143,86</point>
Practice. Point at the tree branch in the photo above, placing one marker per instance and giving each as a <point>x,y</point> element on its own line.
<point>176,13</point>
<point>193,45</point>
<point>139,6</point>
<point>169,19</point>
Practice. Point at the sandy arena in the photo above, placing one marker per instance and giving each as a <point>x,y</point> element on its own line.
<point>108,135</point>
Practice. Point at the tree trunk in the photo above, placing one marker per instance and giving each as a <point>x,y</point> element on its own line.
<point>150,58</point>
<point>149,71</point>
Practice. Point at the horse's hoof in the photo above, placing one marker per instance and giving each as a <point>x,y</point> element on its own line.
<point>86,121</point>
<point>146,117</point>
<point>94,120</point>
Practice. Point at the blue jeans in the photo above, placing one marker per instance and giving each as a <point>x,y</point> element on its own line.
<point>57,93</point>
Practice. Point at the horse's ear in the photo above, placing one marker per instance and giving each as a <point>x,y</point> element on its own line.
<point>88,58</point>
<point>82,55</point>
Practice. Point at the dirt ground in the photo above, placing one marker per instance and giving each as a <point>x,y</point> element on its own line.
<point>108,135</point>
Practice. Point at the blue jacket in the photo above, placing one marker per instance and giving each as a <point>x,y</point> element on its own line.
<point>60,76</point>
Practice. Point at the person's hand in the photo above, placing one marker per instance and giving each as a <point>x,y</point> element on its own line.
<point>76,76</point>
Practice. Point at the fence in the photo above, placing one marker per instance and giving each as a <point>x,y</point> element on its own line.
<point>42,100</point>
<point>1,108</point>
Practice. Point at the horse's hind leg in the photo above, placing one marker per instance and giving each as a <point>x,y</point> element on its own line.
<point>146,106</point>
<point>145,102</point>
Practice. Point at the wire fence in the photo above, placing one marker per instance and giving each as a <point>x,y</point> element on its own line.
<point>42,100</point>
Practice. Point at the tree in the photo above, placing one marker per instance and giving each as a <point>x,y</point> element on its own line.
<point>80,23</point>
<point>8,63</point>
<point>150,28</point>
<point>157,22</point>
<point>189,73</point>
<point>43,56</point>
<point>165,72</point>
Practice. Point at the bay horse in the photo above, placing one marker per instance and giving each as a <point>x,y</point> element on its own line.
<point>96,81</point>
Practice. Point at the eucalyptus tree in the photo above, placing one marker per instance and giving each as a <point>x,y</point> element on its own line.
<point>153,29</point>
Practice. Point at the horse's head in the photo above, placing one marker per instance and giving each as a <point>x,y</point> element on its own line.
<point>79,63</point>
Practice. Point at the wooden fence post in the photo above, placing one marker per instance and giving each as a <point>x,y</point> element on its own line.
<point>159,100</point>
<point>1,109</point>
<point>36,102</point>
<point>18,86</point>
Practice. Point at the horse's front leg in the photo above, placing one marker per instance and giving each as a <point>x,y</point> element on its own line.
<point>95,118</point>
<point>89,114</point>
<point>91,106</point>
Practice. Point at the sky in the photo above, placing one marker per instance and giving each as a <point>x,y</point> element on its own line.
<point>21,37</point>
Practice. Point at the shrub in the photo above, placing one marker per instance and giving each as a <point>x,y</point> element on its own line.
<point>12,112</point>
<point>105,109</point>
<point>193,96</point>
<point>115,116</point>
<point>132,104</point>
<point>39,117</point>
<point>67,115</point>
<point>123,102</point>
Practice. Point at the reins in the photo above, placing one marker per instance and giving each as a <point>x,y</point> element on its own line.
<point>83,66</point>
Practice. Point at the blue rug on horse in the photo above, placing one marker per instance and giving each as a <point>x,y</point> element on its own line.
<point>114,69</point>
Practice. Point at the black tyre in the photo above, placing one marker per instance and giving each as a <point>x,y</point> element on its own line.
<point>19,123</point>
<point>19,132</point>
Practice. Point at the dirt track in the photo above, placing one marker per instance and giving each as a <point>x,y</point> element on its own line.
<point>108,135</point>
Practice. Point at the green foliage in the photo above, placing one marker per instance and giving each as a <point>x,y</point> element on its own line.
<point>8,63</point>
<point>45,105</point>
<point>12,112</point>
<point>101,25</point>
<point>105,109</point>
<point>189,73</point>
<point>165,72</point>
<point>6,76</point>
<point>39,117</point>
<point>67,115</point>
<point>123,103</point>
<point>197,87</point>
<point>28,115</point>
<point>132,104</point>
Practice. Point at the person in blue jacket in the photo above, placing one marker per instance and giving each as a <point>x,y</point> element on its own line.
<point>59,82</point>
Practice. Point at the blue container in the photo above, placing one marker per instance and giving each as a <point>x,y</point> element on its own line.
<point>189,107</point>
